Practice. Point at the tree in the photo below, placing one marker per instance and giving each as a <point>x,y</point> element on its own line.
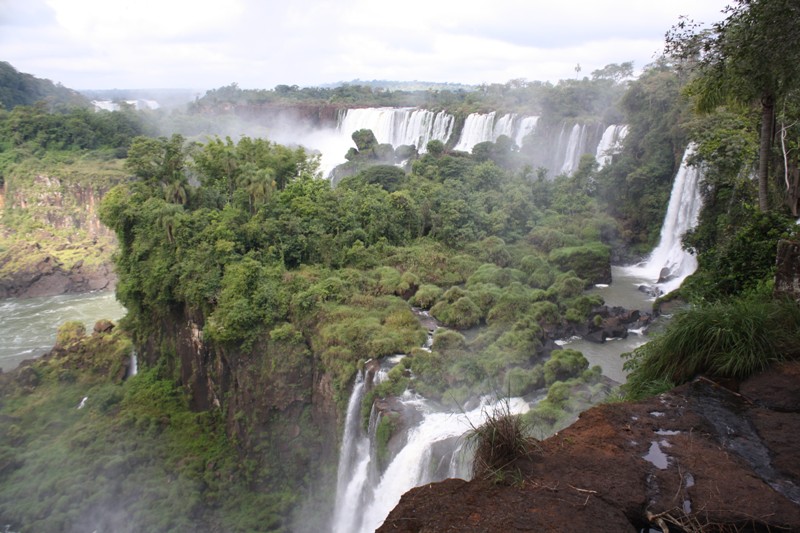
<point>751,57</point>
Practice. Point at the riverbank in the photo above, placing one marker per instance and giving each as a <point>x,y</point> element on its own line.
<point>704,455</point>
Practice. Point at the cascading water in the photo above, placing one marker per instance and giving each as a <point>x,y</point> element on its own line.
<point>575,148</point>
<point>398,126</point>
<point>526,126</point>
<point>133,365</point>
<point>670,264</point>
<point>354,459</point>
<point>433,450</point>
<point>482,127</point>
<point>610,144</point>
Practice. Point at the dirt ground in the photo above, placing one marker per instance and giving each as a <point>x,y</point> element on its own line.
<point>703,457</point>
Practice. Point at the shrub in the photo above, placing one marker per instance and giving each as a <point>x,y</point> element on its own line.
<point>426,296</point>
<point>70,333</point>
<point>564,364</point>
<point>590,261</point>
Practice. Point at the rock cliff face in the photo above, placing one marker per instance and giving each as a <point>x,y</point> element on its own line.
<point>277,404</point>
<point>53,241</point>
<point>703,457</point>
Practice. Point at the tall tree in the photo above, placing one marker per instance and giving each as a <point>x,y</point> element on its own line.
<point>751,57</point>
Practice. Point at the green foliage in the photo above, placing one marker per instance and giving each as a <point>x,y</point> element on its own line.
<point>20,89</point>
<point>461,314</point>
<point>69,333</point>
<point>426,296</point>
<point>590,261</point>
<point>731,339</point>
<point>736,255</point>
<point>563,364</point>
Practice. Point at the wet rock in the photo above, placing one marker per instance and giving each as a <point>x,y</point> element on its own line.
<point>651,290</point>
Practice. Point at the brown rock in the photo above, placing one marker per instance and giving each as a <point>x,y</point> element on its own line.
<point>103,326</point>
<point>700,454</point>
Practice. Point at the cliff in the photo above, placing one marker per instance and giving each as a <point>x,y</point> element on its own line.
<point>52,241</point>
<point>702,457</point>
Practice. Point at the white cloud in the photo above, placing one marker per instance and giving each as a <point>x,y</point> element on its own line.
<point>185,43</point>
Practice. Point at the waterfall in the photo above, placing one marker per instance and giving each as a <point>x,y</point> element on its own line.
<point>398,126</point>
<point>478,128</point>
<point>610,144</point>
<point>433,450</point>
<point>575,148</point>
<point>669,264</point>
<point>526,126</point>
<point>482,127</point>
<point>354,459</point>
<point>133,366</point>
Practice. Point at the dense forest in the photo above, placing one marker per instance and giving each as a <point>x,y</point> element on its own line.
<point>256,290</point>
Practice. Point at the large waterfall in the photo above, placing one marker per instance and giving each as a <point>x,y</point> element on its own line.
<point>558,147</point>
<point>669,264</point>
<point>398,126</point>
<point>431,452</point>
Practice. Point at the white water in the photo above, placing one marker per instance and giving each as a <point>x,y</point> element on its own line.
<point>354,460</point>
<point>526,126</point>
<point>669,264</point>
<point>133,367</point>
<point>482,127</point>
<point>391,125</point>
<point>28,326</point>
<point>610,144</point>
<point>365,497</point>
<point>575,149</point>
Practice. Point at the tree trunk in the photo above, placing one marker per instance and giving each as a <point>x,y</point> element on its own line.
<point>767,117</point>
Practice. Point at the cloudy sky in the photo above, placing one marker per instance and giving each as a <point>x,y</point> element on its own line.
<point>203,44</point>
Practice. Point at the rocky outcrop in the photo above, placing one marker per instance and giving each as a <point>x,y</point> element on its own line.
<point>66,249</point>
<point>703,457</point>
<point>47,276</point>
<point>277,404</point>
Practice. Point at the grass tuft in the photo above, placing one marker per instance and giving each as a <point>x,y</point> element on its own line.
<point>499,443</point>
<point>729,339</point>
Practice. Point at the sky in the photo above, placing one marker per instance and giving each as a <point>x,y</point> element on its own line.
<point>204,44</point>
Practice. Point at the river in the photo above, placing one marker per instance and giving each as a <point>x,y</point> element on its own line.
<point>28,326</point>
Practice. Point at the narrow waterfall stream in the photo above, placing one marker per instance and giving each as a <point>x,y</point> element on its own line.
<point>434,445</point>
<point>669,264</point>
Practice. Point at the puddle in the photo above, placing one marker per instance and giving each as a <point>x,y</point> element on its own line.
<point>668,432</point>
<point>657,457</point>
<point>656,413</point>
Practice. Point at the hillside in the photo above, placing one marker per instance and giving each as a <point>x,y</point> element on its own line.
<point>18,88</point>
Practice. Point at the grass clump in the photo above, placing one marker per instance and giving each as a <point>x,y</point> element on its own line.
<point>499,443</point>
<point>730,339</point>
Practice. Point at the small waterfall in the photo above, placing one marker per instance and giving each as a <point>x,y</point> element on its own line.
<point>526,126</point>
<point>504,126</point>
<point>575,148</point>
<point>433,449</point>
<point>133,365</point>
<point>480,127</point>
<point>354,459</point>
<point>610,144</point>
<point>669,264</point>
